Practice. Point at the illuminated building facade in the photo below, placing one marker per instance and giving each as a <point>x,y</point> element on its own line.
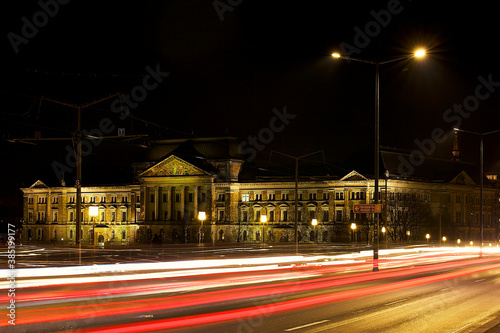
<point>186,177</point>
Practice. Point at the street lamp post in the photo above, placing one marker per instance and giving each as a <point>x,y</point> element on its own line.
<point>296,213</point>
<point>418,54</point>
<point>314,223</point>
<point>353,228</point>
<point>93,213</point>
<point>201,216</point>
<point>481,167</point>
<point>263,219</point>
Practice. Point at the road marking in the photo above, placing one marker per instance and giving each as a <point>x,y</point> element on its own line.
<point>445,289</point>
<point>479,280</point>
<point>306,325</point>
<point>398,301</point>
<point>353,320</point>
<point>480,322</point>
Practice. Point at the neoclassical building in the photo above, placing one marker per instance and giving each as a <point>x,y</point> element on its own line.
<point>182,178</point>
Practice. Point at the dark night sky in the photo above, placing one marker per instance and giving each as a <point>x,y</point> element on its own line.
<point>227,76</point>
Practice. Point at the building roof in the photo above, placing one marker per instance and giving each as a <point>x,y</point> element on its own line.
<point>209,148</point>
<point>406,166</point>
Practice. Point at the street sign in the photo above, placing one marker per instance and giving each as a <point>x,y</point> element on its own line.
<point>368,208</point>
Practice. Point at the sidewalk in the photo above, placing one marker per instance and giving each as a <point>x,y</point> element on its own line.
<point>493,326</point>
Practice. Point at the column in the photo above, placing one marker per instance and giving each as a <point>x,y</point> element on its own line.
<point>195,201</point>
<point>132,208</point>
<point>171,200</point>
<point>142,204</point>
<point>347,213</point>
<point>168,204</point>
<point>331,205</point>
<point>156,203</point>
<point>183,198</point>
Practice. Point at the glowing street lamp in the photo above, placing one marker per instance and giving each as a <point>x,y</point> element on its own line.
<point>93,211</point>
<point>427,236</point>
<point>417,54</point>
<point>459,241</point>
<point>444,239</point>
<point>201,216</point>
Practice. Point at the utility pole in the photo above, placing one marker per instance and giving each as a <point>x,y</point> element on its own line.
<point>297,158</point>
<point>77,139</point>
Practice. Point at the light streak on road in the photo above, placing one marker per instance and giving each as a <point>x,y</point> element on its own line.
<point>310,284</point>
<point>265,277</point>
<point>104,273</point>
<point>283,306</point>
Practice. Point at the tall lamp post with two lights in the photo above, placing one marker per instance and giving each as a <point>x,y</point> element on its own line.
<point>417,54</point>
<point>481,166</point>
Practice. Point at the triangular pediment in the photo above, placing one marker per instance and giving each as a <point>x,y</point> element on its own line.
<point>353,176</point>
<point>173,166</point>
<point>462,179</point>
<point>39,184</point>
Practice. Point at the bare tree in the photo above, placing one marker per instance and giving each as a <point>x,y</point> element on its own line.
<point>407,214</point>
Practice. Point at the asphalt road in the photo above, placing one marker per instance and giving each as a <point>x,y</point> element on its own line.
<point>457,305</point>
<point>410,293</point>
